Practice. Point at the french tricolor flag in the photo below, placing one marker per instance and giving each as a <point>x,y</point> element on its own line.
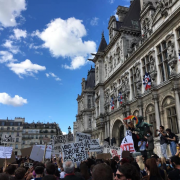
<point>112,103</point>
<point>120,99</point>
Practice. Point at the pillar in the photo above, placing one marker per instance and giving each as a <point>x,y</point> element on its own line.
<point>108,128</point>
<point>157,115</point>
<point>177,106</point>
<point>105,130</point>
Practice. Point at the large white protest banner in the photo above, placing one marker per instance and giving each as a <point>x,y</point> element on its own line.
<point>127,143</point>
<point>48,150</point>
<point>6,138</point>
<point>37,154</point>
<point>74,152</point>
<point>94,146</point>
<point>61,140</point>
<point>5,152</point>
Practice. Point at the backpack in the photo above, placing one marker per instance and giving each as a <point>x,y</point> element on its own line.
<point>177,139</point>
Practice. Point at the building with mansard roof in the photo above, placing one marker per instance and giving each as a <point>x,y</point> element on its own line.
<point>85,121</point>
<point>145,38</point>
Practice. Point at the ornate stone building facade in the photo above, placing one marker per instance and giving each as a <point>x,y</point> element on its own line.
<point>146,38</point>
<point>85,118</point>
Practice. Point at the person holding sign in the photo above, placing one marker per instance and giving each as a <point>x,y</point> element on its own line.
<point>130,126</point>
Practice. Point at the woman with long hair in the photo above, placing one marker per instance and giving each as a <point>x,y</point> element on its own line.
<point>152,170</point>
<point>141,165</point>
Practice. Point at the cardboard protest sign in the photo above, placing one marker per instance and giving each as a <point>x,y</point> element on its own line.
<point>80,137</point>
<point>26,151</point>
<point>61,140</point>
<point>48,150</point>
<point>6,138</point>
<point>94,146</point>
<point>104,156</point>
<point>37,154</point>
<point>74,152</point>
<point>5,152</point>
<point>125,154</point>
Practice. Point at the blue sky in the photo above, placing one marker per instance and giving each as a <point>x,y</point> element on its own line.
<point>44,47</point>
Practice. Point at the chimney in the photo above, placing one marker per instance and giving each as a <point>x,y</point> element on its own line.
<point>121,12</point>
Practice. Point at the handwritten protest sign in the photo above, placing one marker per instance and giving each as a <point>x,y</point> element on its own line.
<point>37,154</point>
<point>48,150</point>
<point>80,137</point>
<point>5,152</point>
<point>6,138</point>
<point>61,140</point>
<point>74,152</point>
<point>116,152</point>
<point>94,146</point>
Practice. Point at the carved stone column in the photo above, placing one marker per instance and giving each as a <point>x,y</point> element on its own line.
<point>108,126</point>
<point>176,90</point>
<point>105,129</point>
<point>140,106</point>
<point>156,105</point>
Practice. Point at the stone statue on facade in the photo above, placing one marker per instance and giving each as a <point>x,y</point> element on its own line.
<point>171,56</point>
<point>152,64</point>
<point>170,50</point>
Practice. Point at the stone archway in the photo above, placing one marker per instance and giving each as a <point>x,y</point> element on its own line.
<point>118,132</point>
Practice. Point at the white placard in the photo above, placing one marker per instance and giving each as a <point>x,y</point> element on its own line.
<point>94,146</point>
<point>80,137</point>
<point>61,140</point>
<point>74,152</point>
<point>5,152</point>
<point>37,154</point>
<point>127,143</point>
<point>48,150</point>
<point>6,138</point>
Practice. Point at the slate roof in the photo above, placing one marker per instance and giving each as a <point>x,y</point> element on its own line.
<point>132,15</point>
<point>90,82</point>
<point>103,44</point>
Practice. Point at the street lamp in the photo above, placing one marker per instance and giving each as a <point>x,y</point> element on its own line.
<point>69,129</point>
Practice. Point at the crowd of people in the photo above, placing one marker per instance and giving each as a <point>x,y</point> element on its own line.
<point>146,166</point>
<point>128,168</point>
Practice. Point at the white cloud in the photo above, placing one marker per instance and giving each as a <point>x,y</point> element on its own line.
<point>64,133</point>
<point>1,28</point>
<point>111,1</point>
<point>63,38</point>
<point>94,21</point>
<point>53,75</point>
<point>6,56</point>
<point>76,63</point>
<point>32,46</point>
<point>10,10</point>
<point>9,45</point>
<point>25,68</point>
<point>15,101</point>
<point>18,33</point>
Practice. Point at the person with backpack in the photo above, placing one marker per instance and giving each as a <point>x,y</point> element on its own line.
<point>171,137</point>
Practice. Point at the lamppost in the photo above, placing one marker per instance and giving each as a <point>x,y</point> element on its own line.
<point>69,130</point>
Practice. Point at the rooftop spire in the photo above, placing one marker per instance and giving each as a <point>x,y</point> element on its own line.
<point>103,43</point>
